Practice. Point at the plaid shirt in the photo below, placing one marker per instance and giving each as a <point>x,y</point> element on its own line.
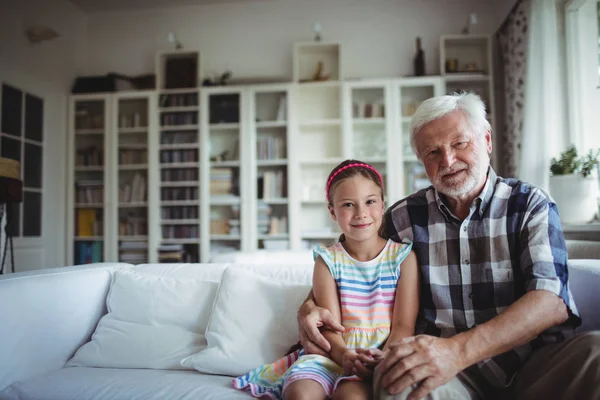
<point>473,269</point>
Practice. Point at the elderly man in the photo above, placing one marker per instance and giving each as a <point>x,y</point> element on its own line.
<point>496,317</point>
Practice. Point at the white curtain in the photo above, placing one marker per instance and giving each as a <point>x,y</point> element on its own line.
<point>545,118</point>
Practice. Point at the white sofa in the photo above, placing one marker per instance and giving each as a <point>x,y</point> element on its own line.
<point>46,316</point>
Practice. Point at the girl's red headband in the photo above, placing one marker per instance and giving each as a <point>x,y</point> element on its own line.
<point>345,167</point>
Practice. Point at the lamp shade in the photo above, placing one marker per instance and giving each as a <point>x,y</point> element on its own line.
<point>11,186</point>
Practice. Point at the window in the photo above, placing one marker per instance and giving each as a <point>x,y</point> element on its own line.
<point>21,138</point>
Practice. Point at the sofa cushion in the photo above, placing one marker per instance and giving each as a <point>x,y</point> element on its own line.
<point>287,272</point>
<point>152,322</point>
<point>123,384</point>
<point>253,322</point>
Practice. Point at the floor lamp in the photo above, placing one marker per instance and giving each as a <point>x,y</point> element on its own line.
<point>11,192</point>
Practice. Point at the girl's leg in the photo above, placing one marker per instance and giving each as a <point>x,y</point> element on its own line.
<point>304,389</point>
<point>352,390</point>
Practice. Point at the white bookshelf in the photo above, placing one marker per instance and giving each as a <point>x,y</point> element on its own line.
<point>407,95</point>
<point>178,155</point>
<point>135,207</point>
<point>225,171</point>
<point>269,151</point>
<point>368,127</point>
<point>194,135</point>
<point>308,55</point>
<point>89,178</point>
<point>178,151</point>
<point>466,65</point>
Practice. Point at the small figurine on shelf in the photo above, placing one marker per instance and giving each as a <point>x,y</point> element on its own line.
<point>419,61</point>
<point>318,75</point>
<point>218,80</point>
<point>317,31</point>
<point>173,40</point>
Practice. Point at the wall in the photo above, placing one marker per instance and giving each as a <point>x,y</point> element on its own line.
<point>254,38</point>
<point>46,70</point>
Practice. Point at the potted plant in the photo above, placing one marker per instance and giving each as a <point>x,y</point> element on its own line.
<point>574,185</point>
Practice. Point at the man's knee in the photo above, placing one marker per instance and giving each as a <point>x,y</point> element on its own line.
<point>587,347</point>
<point>381,393</point>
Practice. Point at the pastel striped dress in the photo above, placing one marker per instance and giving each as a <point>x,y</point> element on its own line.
<point>367,290</point>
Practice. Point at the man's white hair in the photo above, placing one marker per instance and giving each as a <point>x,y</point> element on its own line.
<point>436,107</point>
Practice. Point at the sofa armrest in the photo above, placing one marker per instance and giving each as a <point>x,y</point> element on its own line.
<point>584,281</point>
<point>46,316</point>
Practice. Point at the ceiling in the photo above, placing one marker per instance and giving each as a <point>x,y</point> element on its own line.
<point>92,6</point>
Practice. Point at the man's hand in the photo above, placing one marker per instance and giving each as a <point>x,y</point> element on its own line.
<point>425,360</point>
<point>310,319</point>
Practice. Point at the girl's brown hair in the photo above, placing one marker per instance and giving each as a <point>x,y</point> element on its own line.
<point>348,169</point>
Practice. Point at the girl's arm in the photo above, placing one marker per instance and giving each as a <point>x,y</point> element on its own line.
<point>406,303</point>
<point>326,296</point>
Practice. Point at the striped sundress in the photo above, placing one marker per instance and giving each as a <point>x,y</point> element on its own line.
<point>366,290</point>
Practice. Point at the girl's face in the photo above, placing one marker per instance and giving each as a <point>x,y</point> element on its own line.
<point>357,207</point>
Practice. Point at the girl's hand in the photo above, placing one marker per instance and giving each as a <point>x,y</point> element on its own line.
<point>370,357</point>
<point>366,362</point>
<point>349,357</point>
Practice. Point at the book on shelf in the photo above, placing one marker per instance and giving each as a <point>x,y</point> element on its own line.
<point>89,156</point>
<point>270,185</point>
<point>133,226</point>
<point>270,148</point>
<point>133,191</point>
<point>89,191</point>
<point>133,252</point>
<point>170,253</point>
<point>282,108</point>
<point>89,222</point>
<point>88,252</point>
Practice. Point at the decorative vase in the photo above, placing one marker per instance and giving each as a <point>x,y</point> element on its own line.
<point>419,61</point>
<point>575,196</point>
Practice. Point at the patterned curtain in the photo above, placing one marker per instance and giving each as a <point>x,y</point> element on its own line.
<point>512,38</point>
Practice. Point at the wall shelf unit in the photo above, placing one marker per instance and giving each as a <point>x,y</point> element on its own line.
<point>242,168</point>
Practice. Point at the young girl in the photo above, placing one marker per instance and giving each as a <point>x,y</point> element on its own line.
<point>368,283</point>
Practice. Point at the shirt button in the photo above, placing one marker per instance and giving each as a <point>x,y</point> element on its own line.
<point>466,262</point>
<point>465,229</point>
<point>471,295</point>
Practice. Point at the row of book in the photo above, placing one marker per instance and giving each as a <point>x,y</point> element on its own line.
<point>88,252</point>
<point>180,118</point>
<point>179,174</point>
<point>88,222</point>
<point>221,181</point>
<point>185,212</point>
<point>133,191</point>
<point>133,252</point>
<point>133,226</point>
<point>180,193</point>
<point>277,225</point>
<point>270,148</point>
<point>89,191</point>
<point>176,156</point>
<point>133,157</point>
<point>271,185</point>
<point>176,253</point>
<point>179,137</point>
<point>178,100</point>
<point>89,156</point>
<point>180,231</point>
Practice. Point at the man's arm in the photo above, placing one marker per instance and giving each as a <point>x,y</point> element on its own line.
<point>310,319</point>
<point>326,294</point>
<point>435,361</point>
